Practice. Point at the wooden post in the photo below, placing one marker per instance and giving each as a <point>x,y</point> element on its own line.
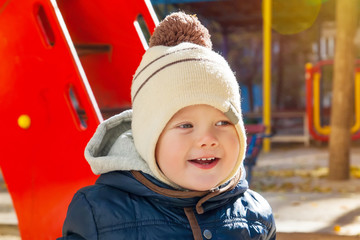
<point>343,90</point>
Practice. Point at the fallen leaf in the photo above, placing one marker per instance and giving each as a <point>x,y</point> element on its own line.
<point>337,228</point>
<point>355,171</point>
<point>320,172</point>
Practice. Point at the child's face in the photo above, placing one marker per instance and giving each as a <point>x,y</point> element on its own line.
<point>198,148</point>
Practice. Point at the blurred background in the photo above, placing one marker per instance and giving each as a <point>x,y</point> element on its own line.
<point>65,66</point>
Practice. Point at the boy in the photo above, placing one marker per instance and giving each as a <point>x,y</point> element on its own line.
<point>171,168</point>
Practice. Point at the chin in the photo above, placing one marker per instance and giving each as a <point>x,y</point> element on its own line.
<point>202,187</point>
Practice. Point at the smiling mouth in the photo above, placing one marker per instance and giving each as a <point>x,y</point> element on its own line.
<point>205,163</point>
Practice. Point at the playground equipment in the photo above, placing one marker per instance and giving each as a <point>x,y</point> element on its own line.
<point>48,110</point>
<point>313,109</point>
<point>255,136</point>
<point>267,16</point>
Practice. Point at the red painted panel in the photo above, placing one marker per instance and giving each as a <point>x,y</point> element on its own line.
<point>42,156</point>
<point>109,23</point>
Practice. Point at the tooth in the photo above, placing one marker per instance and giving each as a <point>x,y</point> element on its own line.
<point>205,159</point>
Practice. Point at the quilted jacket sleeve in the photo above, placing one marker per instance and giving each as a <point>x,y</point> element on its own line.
<point>79,223</point>
<point>272,231</point>
<point>272,227</point>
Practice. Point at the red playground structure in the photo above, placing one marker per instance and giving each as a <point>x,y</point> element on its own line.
<point>64,65</point>
<point>313,78</point>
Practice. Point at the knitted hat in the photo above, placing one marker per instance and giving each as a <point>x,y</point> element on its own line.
<point>179,70</point>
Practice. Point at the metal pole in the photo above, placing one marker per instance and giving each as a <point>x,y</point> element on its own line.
<point>267,71</point>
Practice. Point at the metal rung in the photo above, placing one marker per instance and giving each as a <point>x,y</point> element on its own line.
<point>86,49</point>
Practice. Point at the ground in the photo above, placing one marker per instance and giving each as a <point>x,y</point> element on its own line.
<point>294,181</point>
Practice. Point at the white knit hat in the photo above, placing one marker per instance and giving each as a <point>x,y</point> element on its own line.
<point>170,78</point>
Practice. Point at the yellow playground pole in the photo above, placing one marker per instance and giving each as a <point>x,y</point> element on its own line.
<point>267,71</point>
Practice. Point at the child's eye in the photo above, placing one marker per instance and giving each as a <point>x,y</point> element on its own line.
<point>186,125</point>
<point>223,123</point>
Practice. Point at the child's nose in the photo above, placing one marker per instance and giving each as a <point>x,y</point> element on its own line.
<point>208,139</point>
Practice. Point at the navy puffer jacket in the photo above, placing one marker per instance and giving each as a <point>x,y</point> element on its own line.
<point>120,206</point>
<point>127,203</point>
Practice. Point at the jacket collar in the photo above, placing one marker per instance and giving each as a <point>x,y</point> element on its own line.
<point>145,185</point>
<point>205,195</point>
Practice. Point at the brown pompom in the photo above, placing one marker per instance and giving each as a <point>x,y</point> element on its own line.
<point>179,27</point>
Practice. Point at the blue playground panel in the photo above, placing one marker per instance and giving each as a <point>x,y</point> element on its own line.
<point>245,98</point>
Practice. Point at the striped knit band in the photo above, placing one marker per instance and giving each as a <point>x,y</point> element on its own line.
<point>171,78</point>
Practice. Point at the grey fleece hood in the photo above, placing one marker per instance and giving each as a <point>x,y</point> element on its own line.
<point>112,147</point>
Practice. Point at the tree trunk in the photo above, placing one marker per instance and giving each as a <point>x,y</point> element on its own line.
<point>343,90</point>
